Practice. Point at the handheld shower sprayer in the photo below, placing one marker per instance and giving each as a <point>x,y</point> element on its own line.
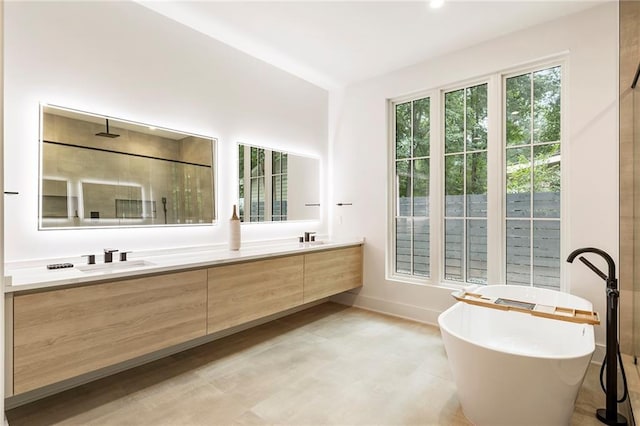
<point>609,415</point>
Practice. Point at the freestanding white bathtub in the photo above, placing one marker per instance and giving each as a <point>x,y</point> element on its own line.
<point>512,368</point>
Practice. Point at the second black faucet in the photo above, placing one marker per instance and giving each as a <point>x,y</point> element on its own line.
<point>108,255</point>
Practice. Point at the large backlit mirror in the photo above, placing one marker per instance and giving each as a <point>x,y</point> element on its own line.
<point>98,171</point>
<point>275,186</point>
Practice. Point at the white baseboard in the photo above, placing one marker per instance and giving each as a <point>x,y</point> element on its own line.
<point>401,310</point>
<point>417,313</point>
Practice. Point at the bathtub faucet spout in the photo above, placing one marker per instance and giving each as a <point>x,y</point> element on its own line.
<point>610,278</point>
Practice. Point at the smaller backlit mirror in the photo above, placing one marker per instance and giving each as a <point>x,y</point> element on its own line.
<point>276,186</point>
<point>99,171</point>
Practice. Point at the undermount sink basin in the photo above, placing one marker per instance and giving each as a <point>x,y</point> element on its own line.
<point>313,243</point>
<point>115,266</point>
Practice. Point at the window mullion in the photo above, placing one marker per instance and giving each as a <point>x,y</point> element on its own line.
<point>531,219</point>
<point>464,188</point>
<point>411,221</point>
<point>436,185</point>
<point>531,177</point>
<point>495,183</point>
<point>247,182</point>
<point>268,184</point>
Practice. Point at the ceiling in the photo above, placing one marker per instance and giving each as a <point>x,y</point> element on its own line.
<point>335,43</point>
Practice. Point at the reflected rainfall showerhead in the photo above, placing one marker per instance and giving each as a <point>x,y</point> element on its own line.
<point>107,134</point>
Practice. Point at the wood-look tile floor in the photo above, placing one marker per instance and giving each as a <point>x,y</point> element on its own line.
<point>327,365</point>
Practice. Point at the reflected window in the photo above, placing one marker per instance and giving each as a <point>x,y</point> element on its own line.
<point>260,193</point>
<point>257,186</point>
<point>265,184</point>
<point>276,186</point>
<point>279,185</point>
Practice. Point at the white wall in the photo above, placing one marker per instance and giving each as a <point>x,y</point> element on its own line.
<point>123,60</point>
<point>303,191</point>
<point>358,146</point>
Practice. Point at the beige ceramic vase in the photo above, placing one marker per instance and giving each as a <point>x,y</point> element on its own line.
<point>234,231</point>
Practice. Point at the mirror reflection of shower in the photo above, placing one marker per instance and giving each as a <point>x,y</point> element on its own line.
<point>99,171</point>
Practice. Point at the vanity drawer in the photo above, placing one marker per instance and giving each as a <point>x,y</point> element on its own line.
<point>331,272</point>
<point>247,291</point>
<point>64,333</point>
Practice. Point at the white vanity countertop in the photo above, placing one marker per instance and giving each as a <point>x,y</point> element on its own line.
<point>32,275</point>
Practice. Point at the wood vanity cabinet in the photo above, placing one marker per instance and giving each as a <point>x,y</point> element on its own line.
<point>331,272</point>
<point>244,292</point>
<point>59,334</point>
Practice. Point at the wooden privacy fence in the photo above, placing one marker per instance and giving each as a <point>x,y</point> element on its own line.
<point>413,237</point>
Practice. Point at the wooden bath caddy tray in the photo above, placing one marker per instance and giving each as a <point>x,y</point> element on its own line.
<point>538,310</point>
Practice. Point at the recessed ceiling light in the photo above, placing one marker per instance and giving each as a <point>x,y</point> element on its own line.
<point>435,4</point>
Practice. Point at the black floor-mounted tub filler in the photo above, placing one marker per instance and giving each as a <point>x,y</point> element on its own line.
<point>608,415</point>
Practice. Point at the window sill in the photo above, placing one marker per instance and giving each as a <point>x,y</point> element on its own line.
<point>426,282</point>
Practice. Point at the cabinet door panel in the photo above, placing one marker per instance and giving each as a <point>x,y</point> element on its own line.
<point>63,333</point>
<point>248,291</point>
<point>330,272</point>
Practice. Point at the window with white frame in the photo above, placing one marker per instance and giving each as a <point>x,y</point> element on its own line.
<point>520,231</point>
<point>411,236</point>
<point>465,183</point>
<point>532,169</point>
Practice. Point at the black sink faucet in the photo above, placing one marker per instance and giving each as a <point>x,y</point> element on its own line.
<point>108,255</point>
<point>307,236</point>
